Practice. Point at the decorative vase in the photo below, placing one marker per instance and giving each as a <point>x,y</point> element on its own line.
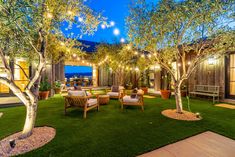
<point>57,90</point>
<point>145,89</point>
<point>165,94</point>
<point>43,95</point>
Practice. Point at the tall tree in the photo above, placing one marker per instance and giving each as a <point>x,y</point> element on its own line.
<point>171,31</point>
<point>26,26</point>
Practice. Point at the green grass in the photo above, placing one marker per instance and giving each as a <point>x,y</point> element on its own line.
<point>112,132</point>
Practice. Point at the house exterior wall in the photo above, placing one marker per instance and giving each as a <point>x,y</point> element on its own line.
<point>209,74</point>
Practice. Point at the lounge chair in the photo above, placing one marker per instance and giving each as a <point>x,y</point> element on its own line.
<point>80,100</point>
<point>116,92</point>
<point>137,100</point>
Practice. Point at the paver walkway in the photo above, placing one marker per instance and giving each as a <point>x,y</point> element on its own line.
<point>5,101</point>
<point>207,144</point>
<point>226,106</point>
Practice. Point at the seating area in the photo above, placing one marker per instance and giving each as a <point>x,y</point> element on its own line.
<point>78,97</point>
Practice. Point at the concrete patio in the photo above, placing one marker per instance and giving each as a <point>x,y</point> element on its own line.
<point>207,144</point>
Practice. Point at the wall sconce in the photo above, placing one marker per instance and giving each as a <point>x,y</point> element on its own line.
<point>211,61</point>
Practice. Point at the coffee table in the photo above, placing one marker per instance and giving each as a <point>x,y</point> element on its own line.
<point>103,99</point>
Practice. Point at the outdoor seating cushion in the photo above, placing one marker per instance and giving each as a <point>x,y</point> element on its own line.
<point>88,93</point>
<point>121,88</point>
<point>113,93</point>
<point>76,93</point>
<point>92,102</point>
<point>70,88</point>
<point>140,92</point>
<point>129,99</point>
<point>115,89</point>
<point>77,88</point>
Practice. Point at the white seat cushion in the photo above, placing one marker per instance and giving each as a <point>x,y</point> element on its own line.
<point>140,91</point>
<point>70,88</point>
<point>76,93</point>
<point>88,93</point>
<point>92,102</point>
<point>121,88</point>
<point>113,93</point>
<point>129,99</point>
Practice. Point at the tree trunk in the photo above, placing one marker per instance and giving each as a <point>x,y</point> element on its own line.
<point>178,99</point>
<point>31,112</point>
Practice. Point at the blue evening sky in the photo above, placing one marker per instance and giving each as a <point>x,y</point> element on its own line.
<point>77,69</point>
<point>114,10</point>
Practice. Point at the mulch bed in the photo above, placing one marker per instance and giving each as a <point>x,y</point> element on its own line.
<point>40,137</point>
<point>186,116</point>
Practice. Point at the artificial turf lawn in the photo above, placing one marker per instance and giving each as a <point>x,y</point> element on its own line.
<point>112,132</point>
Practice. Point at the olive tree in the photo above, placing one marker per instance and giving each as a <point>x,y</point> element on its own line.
<point>122,60</point>
<point>26,27</point>
<point>171,31</point>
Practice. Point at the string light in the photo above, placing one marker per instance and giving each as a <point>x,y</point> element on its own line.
<point>149,56</point>
<point>80,19</point>
<point>49,15</point>
<point>189,63</point>
<point>112,23</point>
<point>142,55</point>
<point>70,12</point>
<point>74,55</point>
<point>122,40</point>
<point>136,53</point>
<point>103,26</point>
<point>128,47</point>
<point>116,31</point>
<point>62,44</point>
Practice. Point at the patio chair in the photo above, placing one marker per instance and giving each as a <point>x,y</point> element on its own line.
<point>79,100</point>
<point>116,92</point>
<point>136,99</point>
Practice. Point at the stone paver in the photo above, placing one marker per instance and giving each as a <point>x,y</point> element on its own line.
<point>9,100</point>
<point>226,106</point>
<point>207,144</point>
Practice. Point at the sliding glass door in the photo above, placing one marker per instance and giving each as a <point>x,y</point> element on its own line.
<point>230,80</point>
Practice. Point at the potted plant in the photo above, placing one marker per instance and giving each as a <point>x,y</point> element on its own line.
<point>129,86</point>
<point>57,87</point>
<point>144,88</point>
<point>44,89</point>
<point>166,92</point>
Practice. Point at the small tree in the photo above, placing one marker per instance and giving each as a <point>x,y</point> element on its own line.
<point>122,60</point>
<point>171,31</point>
<point>26,27</point>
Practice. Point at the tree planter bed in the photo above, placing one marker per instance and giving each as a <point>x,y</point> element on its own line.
<point>187,116</point>
<point>40,137</point>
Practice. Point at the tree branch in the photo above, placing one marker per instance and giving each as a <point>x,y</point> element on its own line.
<point>6,66</point>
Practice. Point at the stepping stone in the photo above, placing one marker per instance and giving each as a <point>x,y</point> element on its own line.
<point>207,144</point>
<point>226,106</point>
<point>1,114</point>
<point>150,97</point>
